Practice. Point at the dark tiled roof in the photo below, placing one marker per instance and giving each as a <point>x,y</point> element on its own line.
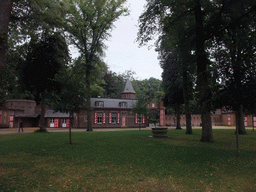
<point>56,114</point>
<point>128,87</point>
<point>27,115</point>
<point>113,103</point>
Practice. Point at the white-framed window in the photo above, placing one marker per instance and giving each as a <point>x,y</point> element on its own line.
<point>123,104</point>
<point>99,118</point>
<point>99,104</point>
<point>153,105</point>
<point>114,118</point>
<point>140,118</point>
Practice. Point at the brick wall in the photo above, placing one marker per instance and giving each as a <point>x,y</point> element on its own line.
<point>27,106</point>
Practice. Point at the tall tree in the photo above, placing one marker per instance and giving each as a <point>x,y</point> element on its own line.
<point>152,22</point>
<point>234,52</point>
<point>202,62</point>
<point>44,60</point>
<point>70,99</point>
<point>5,14</point>
<point>88,25</point>
<point>172,84</point>
<point>29,19</point>
<point>11,87</point>
<point>175,43</point>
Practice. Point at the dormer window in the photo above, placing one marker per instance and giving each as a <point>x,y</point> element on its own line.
<point>99,104</point>
<point>123,104</point>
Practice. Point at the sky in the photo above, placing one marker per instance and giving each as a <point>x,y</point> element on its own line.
<point>123,52</point>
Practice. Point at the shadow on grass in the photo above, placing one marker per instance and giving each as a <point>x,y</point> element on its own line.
<point>127,161</point>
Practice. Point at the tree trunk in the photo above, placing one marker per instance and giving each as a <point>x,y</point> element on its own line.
<point>186,101</point>
<point>70,126</point>
<point>42,119</point>
<point>139,122</point>
<point>88,97</point>
<point>202,77</point>
<point>240,121</point>
<point>178,116</point>
<point>252,123</point>
<point>206,123</point>
<point>5,14</point>
<point>188,120</point>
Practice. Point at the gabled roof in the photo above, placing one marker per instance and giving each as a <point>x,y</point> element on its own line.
<point>113,103</point>
<point>128,87</point>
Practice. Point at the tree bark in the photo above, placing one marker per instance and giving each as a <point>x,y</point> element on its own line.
<point>42,119</point>
<point>5,14</point>
<point>178,116</point>
<point>88,97</point>
<point>252,123</point>
<point>237,137</point>
<point>202,77</point>
<point>206,127</point>
<point>186,101</point>
<point>240,121</point>
<point>70,127</point>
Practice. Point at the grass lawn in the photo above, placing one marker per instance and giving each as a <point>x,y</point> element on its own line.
<point>127,161</point>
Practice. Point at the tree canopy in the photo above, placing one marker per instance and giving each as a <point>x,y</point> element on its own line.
<point>45,58</point>
<point>194,28</point>
<point>88,24</point>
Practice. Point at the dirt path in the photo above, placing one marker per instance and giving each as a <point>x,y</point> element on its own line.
<point>32,129</point>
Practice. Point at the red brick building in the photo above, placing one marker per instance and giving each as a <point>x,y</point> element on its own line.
<point>16,111</point>
<point>113,113</point>
<point>106,113</point>
<point>219,118</point>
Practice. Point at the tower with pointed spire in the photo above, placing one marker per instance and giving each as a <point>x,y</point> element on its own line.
<point>128,92</point>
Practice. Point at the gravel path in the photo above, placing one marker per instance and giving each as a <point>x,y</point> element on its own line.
<point>32,129</point>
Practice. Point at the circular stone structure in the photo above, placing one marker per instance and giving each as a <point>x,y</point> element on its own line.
<point>160,132</point>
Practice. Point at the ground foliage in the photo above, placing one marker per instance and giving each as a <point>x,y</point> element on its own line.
<point>126,161</point>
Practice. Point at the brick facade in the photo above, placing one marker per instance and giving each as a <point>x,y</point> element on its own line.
<point>21,110</point>
<point>218,119</point>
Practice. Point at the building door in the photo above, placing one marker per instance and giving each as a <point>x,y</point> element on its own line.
<point>123,119</point>
<point>64,124</point>
<point>51,122</point>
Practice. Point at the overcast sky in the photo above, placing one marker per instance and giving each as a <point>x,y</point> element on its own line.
<point>123,52</point>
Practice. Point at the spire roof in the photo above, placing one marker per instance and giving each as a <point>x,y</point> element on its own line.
<point>128,87</point>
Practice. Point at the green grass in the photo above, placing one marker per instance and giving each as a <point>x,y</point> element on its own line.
<point>127,161</point>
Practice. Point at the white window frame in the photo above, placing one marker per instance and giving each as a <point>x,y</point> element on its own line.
<point>114,118</point>
<point>140,118</point>
<point>99,103</point>
<point>123,104</point>
<point>99,118</point>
